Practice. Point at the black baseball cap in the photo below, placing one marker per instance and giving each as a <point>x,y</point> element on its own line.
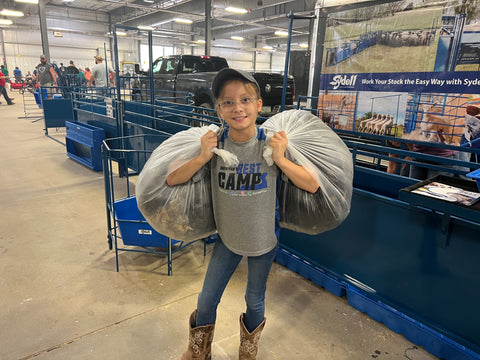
<point>227,74</point>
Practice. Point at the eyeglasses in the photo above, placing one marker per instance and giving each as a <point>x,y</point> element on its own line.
<point>230,104</point>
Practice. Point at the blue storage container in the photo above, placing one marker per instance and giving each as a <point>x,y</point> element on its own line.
<point>38,99</point>
<point>134,228</point>
<point>476,176</point>
<point>84,144</point>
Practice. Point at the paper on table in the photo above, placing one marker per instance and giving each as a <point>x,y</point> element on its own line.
<point>448,193</point>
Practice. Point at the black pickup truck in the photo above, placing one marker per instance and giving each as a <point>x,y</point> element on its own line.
<point>194,74</point>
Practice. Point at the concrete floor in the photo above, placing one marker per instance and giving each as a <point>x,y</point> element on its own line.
<point>61,298</point>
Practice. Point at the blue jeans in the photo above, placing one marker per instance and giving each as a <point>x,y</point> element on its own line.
<point>3,92</point>
<point>220,269</point>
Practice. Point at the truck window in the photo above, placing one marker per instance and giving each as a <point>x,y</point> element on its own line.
<point>209,64</point>
<point>157,65</point>
<point>169,66</point>
<point>219,64</point>
<point>187,65</point>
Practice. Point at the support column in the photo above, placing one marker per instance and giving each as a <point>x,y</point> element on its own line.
<point>3,49</point>
<point>139,51</point>
<point>255,45</point>
<point>110,43</point>
<point>317,41</point>
<point>43,29</point>
<point>208,26</point>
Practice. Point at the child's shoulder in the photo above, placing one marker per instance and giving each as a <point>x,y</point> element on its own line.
<point>261,133</point>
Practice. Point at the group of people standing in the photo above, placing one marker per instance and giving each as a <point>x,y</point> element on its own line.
<point>99,76</point>
<point>73,74</point>
<point>45,74</point>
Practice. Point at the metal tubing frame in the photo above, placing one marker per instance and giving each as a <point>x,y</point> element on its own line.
<point>291,16</point>
<point>112,226</point>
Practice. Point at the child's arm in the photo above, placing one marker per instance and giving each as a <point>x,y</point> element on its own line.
<point>187,170</point>
<point>296,173</point>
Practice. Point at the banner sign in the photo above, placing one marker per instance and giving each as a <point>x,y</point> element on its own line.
<point>404,69</point>
<point>419,82</point>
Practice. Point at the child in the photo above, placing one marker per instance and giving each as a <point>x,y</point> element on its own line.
<point>245,209</point>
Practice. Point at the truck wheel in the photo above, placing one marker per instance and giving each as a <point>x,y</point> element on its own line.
<point>208,108</point>
<point>204,111</point>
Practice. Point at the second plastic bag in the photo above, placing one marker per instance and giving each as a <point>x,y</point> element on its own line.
<point>315,146</point>
<point>182,212</point>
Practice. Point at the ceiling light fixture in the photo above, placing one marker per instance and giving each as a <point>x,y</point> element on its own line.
<point>183,21</point>
<point>121,33</point>
<point>281,33</point>
<point>28,1</point>
<point>238,38</point>
<point>144,27</point>
<point>236,10</point>
<point>6,22</point>
<point>200,41</point>
<point>6,12</point>
<point>303,45</point>
<point>267,47</point>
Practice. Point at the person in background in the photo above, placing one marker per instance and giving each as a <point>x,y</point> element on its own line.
<point>62,69</point>
<point>18,74</point>
<point>99,74</point>
<point>128,79</point>
<point>422,173</point>
<point>87,74</point>
<point>72,69</point>
<point>4,71</point>
<point>28,77</point>
<point>46,75</point>
<point>71,75</point>
<point>244,199</point>
<point>81,77</point>
<point>3,90</point>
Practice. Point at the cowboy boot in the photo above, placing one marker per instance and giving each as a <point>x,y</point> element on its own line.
<point>200,341</point>
<point>249,341</point>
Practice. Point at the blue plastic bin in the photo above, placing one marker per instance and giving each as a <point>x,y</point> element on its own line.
<point>475,175</point>
<point>38,100</point>
<point>84,143</point>
<point>134,228</point>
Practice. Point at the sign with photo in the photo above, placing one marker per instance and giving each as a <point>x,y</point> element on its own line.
<point>404,69</point>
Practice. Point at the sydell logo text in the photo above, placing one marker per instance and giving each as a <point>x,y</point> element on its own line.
<point>343,80</point>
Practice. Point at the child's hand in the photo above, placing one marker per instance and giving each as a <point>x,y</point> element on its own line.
<point>208,142</point>
<point>279,143</point>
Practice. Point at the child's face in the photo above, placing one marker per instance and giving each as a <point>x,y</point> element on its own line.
<point>242,116</point>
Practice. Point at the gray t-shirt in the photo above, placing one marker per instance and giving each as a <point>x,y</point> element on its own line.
<point>43,74</point>
<point>99,72</point>
<point>245,197</point>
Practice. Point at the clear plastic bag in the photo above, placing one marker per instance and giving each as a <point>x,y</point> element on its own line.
<point>182,212</point>
<point>312,144</point>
